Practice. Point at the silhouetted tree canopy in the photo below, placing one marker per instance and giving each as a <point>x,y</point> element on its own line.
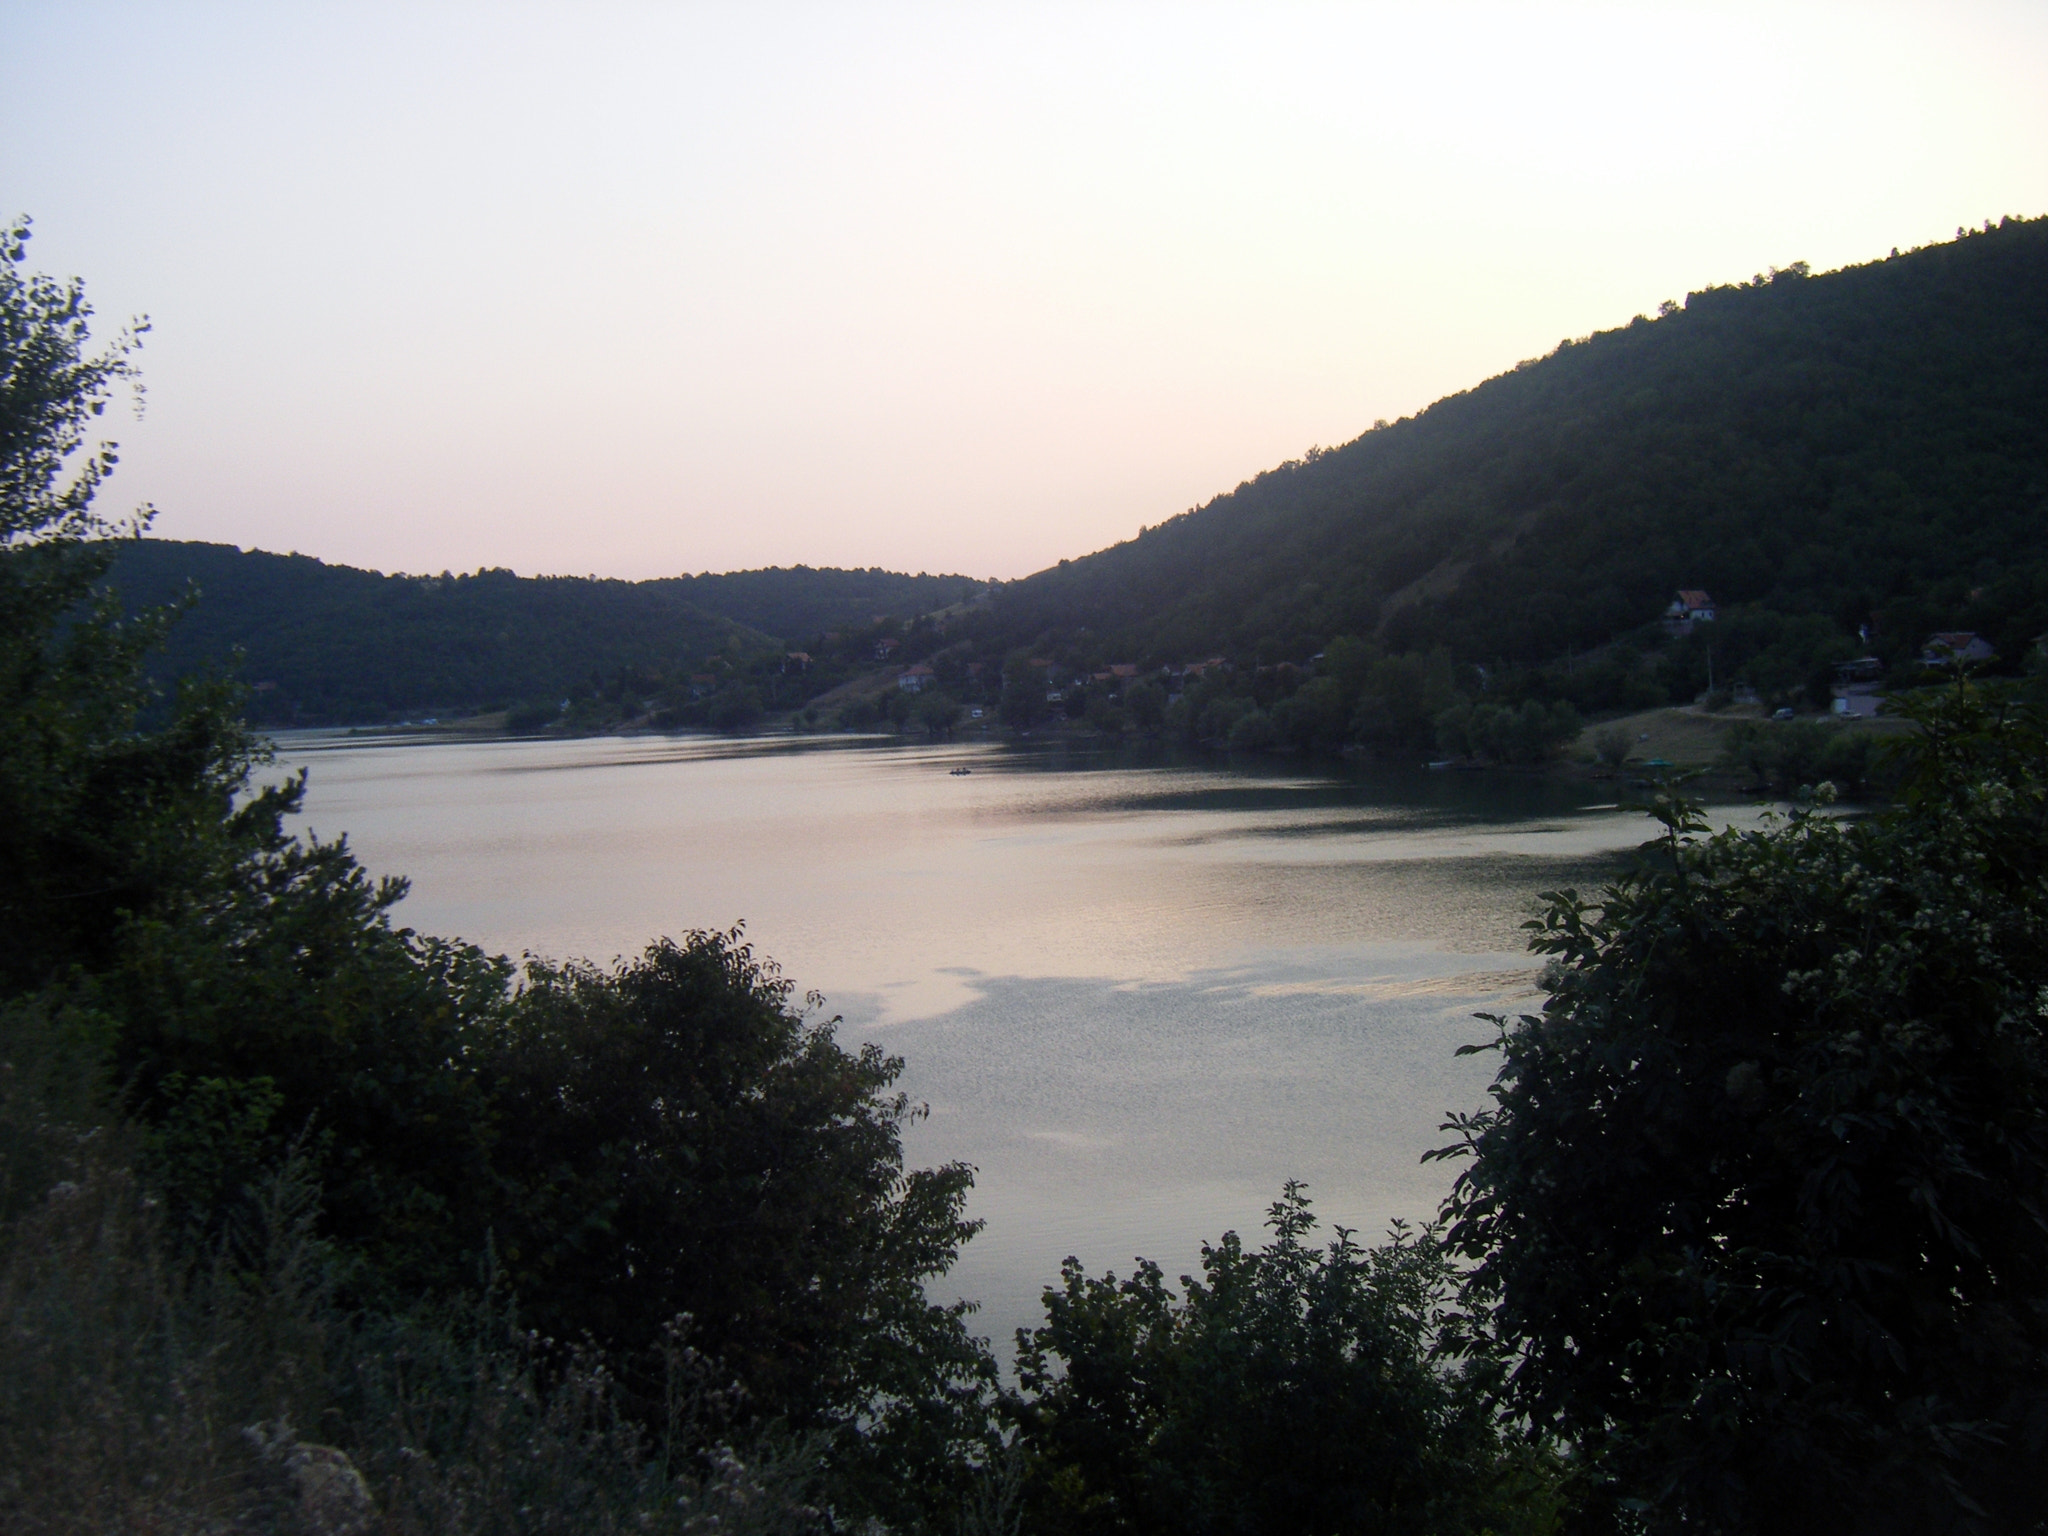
<point>1288,1388</point>
<point>1759,1213</point>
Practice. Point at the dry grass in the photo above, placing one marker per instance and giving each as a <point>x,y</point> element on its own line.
<point>127,1378</point>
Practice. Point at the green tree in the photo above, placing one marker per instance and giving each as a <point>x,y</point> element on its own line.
<point>1529,733</point>
<point>1613,746</point>
<point>286,983</point>
<point>1314,716</point>
<point>735,707</point>
<point>99,820</point>
<point>1251,731</point>
<point>1758,1209</point>
<point>1402,697</point>
<point>1104,714</point>
<point>1289,1389</point>
<point>1220,713</point>
<point>689,1143</point>
<point>1145,706</point>
<point>249,982</point>
<point>938,713</point>
<point>1789,755</point>
<point>1023,703</point>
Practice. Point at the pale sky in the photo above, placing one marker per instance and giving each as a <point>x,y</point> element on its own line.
<point>641,289</point>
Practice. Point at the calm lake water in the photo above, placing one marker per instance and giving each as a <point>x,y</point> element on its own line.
<point>1137,994</point>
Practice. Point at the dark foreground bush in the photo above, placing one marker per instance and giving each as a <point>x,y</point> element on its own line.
<point>148,1387</point>
<point>1289,1389</point>
<point>1760,1211</point>
<point>687,1142</point>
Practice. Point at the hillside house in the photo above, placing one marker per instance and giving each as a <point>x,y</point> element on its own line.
<point>1957,648</point>
<point>915,679</point>
<point>883,649</point>
<point>1856,688</point>
<point>1691,606</point>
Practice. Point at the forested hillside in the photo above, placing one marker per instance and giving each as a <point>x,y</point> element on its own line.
<point>1866,449</point>
<point>801,600</point>
<point>1848,463</point>
<point>330,644</point>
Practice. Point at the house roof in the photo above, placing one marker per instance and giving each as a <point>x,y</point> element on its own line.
<point>1965,644</point>
<point>1692,597</point>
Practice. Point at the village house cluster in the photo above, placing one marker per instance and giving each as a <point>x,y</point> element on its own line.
<point>1859,683</point>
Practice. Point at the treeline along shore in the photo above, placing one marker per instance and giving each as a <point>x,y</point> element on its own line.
<point>313,1223</point>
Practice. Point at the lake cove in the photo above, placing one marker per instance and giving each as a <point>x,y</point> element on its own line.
<point>1137,993</point>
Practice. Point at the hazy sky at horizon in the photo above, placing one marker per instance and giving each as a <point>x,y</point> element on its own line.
<point>640,289</point>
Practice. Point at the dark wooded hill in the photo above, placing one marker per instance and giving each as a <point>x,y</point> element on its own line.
<point>328,644</point>
<point>1865,448</point>
<point>800,601</point>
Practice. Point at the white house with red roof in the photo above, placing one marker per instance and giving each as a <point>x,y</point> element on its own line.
<point>1691,606</point>
<point>1957,648</point>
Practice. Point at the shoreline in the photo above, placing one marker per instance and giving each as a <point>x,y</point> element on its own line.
<point>1682,743</point>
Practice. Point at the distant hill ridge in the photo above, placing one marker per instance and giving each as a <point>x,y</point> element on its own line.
<point>1865,449</point>
<point>1847,462</point>
<point>329,644</point>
